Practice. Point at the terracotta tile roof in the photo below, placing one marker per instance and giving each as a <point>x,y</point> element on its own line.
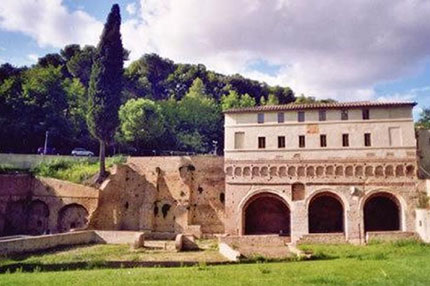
<point>333,105</point>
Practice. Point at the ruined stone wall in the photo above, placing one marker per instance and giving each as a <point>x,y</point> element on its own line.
<point>164,194</point>
<point>30,205</point>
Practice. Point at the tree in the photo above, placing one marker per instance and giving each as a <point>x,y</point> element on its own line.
<point>152,70</point>
<point>79,65</point>
<point>424,121</point>
<point>284,94</point>
<point>142,122</point>
<point>50,60</point>
<point>106,85</point>
<point>233,100</point>
<point>310,99</point>
<point>271,100</point>
<point>199,119</point>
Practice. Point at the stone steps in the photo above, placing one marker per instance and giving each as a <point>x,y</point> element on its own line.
<point>390,235</point>
<point>268,246</point>
<point>160,244</point>
<point>322,238</point>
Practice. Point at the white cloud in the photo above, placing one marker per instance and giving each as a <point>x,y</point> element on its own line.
<point>131,8</point>
<point>338,49</point>
<point>49,22</point>
<point>331,48</point>
<point>33,58</point>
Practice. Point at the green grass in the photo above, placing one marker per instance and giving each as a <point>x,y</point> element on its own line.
<point>77,171</point>
<point>7,168</point>
<point>105,253</point>
<point>402,263</point>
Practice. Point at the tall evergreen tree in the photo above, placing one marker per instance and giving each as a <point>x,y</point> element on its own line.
<point>104,93</point>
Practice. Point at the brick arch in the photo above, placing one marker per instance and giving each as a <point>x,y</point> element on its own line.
<point>382,211</point>
<point>266,213</point>
<point>72,216</point>
<point>15,218</point>
<point>38,218</point>
<point>238,171</point>
<point>389,171</point>
<point>326,213</point>
<point>400,201</point>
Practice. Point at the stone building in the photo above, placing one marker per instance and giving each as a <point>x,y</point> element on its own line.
<point>342,171</point>
<point>332,172</point>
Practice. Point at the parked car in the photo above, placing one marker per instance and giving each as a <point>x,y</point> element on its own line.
<point>82,152</point>
<point>49,151</point>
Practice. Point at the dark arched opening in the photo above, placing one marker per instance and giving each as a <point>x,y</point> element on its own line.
<point>73,216</point>
<point>381,213</point>
<point>37,221</point>
<point>267,214</point>
<point>15,218</point>
<point>325,214</point>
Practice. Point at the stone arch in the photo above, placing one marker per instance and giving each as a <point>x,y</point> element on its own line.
<point>368,171</point>
<point>246,171</point>
<point>15,218</point>
<point>410,170</point>
<point>319,171</point>
<point>255,172</point>
<point>310,171</point>
<point>38,218</point>
<point>273,171</point>
<point>382,212</point>
<point>301,171</point>
<point>379,171</point>
<point>282,171</point>
<point>266,213</point>
<point>329,171</point>
<point>238,171</point>
<point>326,213</point>
<point>349,171</point>
<point>291,171</point>
<point>389,171</point>
<point>72,216</point>
<point>264,171</point>
<point>358,171</point>
<point>339,171</point>
<point>229,171</point>
<point>399,171</point>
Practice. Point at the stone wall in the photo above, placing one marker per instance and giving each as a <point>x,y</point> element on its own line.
<point>164,194</point>
<point>297,182</point>
<point>30,205</point>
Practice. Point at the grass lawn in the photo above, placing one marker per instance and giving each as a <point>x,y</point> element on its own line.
<point>403,263</point>
<point>100,253</point>
<point>77,170</point>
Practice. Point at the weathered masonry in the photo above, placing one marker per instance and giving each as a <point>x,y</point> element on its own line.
<point>344,169</point>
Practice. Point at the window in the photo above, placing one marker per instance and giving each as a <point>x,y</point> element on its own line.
<point>301,116</point>
<point>366,114</point>
<point>281,141</point>
<point>302,141</point>
<point>239,139</point>
<point>367,140</point>
<point>281,117</point>
<point>344,114</point>
<point>345,140</point>
<point>261,142</point>
<point>260,118</point>
<point>323,140</point>
<point>322,115</point>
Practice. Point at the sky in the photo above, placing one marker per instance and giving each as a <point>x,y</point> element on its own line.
<point>346,50</point>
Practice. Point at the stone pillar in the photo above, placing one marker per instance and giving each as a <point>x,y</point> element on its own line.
<point>299,220</point>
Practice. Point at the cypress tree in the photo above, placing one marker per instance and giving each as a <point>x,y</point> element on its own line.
<point>104,92</point>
